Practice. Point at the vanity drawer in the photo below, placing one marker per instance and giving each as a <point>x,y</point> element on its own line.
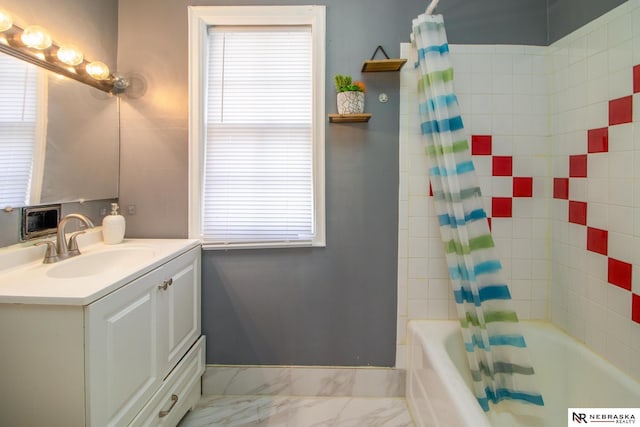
<point>178,393</point>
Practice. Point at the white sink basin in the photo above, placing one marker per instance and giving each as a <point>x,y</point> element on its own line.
<point>101,262</point>
<point>83,279</point>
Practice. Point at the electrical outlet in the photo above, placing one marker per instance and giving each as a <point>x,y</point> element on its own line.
<point>131,209</point>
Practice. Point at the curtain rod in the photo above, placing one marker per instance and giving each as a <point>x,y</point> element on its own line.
<point>432,6</point>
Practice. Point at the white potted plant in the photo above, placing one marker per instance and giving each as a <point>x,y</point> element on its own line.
<point>350,95</point>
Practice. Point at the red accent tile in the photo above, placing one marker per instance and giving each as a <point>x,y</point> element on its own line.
<point>578,166</point>
<point>620,273</point>
<point>561,188</point>
<point>598,140</point>
<point>502,166</point>
<point>522,187</point>
<point>578,212</point>
<point>636,79</point>
<point>481,145</point>
<point>489,221</point>
<point>635,308</point>
<point>501,207</point>
<point>621,110</point>
<point>597,240</point>
<point>430,190</point>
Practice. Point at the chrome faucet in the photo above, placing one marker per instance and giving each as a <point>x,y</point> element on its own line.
<point>63,250</point>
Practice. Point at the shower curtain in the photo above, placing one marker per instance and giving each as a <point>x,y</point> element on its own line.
<point>496,350</point>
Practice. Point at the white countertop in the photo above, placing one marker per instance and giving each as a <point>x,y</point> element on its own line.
<point>24,279</point>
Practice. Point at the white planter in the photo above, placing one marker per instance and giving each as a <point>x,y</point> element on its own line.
<point>351,102</point>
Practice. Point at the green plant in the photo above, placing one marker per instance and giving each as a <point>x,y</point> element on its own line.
<point>345,84</point>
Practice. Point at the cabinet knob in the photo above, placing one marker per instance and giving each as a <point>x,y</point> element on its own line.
<point>166,284</point>
<point>174,400</point>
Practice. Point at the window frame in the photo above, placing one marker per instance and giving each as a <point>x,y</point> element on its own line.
<point>202,17</point>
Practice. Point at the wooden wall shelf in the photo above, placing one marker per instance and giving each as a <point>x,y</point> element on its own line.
<point>377,65</point>
<point>349,118</point>
<point>388,64</point>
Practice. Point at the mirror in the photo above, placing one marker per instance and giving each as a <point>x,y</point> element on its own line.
<point>75,137</point>
<point>79,146</point>
<point>82,143</point>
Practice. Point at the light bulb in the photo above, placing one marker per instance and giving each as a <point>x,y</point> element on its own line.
<point>5,21</point>
<point>98,70</point>
<point>36,37</point>
<point>70,55</point>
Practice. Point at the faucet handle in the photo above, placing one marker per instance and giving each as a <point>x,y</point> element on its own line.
<point>73,243</point>
<point>51,255</point>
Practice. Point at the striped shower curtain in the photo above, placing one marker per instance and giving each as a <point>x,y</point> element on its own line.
<point>496,350</point>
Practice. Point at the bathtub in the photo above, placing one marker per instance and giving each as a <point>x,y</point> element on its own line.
<point>439,387</point>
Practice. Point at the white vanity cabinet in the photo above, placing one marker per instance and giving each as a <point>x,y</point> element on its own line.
<point>138,334</point>
<point>132,357</point>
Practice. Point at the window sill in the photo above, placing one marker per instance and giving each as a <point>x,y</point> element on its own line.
<point>208,246</point>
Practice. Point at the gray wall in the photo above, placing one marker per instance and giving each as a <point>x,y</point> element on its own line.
<point>321,306</point>
<point>566,16</point>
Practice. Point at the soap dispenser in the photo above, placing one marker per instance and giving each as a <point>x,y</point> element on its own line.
<point>113,226</point>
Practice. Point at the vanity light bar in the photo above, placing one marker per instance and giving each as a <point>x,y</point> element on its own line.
<point>34,45</point>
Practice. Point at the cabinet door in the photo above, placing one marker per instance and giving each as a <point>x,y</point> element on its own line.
<point>122,353</point>
<point>179,309</point>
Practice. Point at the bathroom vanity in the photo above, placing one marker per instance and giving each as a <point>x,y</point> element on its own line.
<point>111,337</point>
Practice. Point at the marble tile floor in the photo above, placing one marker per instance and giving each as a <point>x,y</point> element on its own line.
<point>298,411</point>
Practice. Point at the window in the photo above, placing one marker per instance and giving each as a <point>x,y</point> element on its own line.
<point>21,92</point>
<point>257,126</point>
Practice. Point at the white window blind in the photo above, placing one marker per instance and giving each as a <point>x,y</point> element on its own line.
<point>258,166</point>
<point>18,121</point>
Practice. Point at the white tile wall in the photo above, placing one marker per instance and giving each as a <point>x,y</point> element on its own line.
<point>582,300</point>
<point>538,104</point>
